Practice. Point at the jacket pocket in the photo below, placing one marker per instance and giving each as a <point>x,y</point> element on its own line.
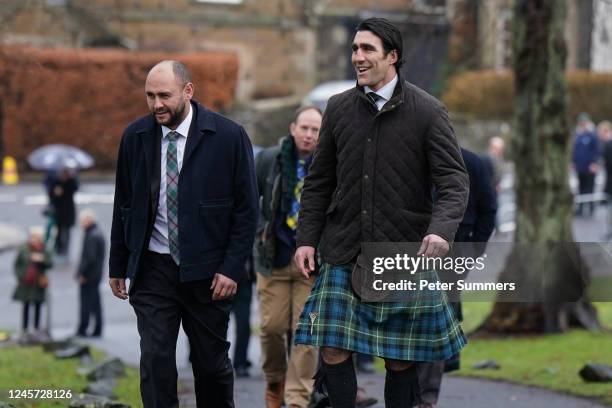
<point>332,206</point>
<point>216,205</point>
<point>215,220</point>
<point>126,219</point>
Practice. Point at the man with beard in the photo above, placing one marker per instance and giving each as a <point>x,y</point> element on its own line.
<point>382,145</point>
<point>184,220</point>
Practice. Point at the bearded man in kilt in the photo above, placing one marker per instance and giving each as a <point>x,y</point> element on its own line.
<point>383,145</point>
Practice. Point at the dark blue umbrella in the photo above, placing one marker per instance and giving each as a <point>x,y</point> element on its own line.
<point>59,156</point>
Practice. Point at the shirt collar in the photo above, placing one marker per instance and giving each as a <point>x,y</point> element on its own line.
<point>386,91</point>
<point>183,128</point>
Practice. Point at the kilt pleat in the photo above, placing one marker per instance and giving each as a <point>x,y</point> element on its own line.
<point>421,329</point>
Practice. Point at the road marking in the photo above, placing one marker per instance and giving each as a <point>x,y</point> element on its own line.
<point>79,198</point>
<point>8,198</point>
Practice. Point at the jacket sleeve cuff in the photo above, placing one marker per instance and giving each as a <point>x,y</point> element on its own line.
<point>446,234</point>
<point>233,269</point>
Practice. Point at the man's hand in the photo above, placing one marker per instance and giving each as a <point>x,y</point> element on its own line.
<point>118,287</point>
<point>305,260</point>
<point>223,287</point>
<point>433,246</point>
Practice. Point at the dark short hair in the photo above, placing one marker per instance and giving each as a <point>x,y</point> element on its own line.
<point>303,109</point>
<point>388,33</point>
<point>181,72</point>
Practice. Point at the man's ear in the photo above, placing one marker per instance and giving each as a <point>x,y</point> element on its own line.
<point>393,54</point>
<point>291,128</point>
<point>188,90</point>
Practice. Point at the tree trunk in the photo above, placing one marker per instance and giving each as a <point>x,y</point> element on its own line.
<point>543,242</point>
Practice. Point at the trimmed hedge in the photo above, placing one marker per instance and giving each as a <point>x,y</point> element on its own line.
<point>490,94</point>
<point>86,97</point>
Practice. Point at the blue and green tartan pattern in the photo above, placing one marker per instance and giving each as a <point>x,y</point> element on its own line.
<point>292,215</point>
<point>172,177</point>
<point>423,329</point>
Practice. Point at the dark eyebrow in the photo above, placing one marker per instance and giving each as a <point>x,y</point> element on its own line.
<point>364,46</point>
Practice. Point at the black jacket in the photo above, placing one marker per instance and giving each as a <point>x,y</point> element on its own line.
<point>479,219</point>
<point>92,255</point>
<point>217,193</point>
<point>63,204</point>
<point>372,172</point>
<point>267,168</point>
<point>274,243</point>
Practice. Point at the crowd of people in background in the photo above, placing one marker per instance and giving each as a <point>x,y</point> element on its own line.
<point>592,150</point>
<point>48,246</point>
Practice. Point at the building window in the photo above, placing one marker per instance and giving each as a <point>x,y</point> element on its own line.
<point>220,1</point>
<point>503,45</point>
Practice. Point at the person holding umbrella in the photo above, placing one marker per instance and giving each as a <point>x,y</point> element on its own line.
<point>61,192</point>
<point>61,162</point>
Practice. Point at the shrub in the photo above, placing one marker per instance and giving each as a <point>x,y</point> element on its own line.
<point>489,94</point>
<point>86,97</point>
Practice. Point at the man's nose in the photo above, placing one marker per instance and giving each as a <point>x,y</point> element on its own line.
<point>358,55</point>
<point>157,104</point>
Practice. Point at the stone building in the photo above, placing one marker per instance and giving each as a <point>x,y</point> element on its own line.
<point>285,47</point>
<point>588,31</point>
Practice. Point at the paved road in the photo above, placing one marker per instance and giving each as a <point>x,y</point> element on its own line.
<point>20,208</point>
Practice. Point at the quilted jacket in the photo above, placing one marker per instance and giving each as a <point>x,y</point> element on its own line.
<point>373,172</point>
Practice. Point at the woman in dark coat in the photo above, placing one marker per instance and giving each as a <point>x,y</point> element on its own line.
<point>31,265</point>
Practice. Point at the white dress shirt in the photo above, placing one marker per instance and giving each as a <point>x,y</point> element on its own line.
<point>385,93</point>
<point>159,237</point>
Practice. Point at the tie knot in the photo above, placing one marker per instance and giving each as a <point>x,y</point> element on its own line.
<point>374,97</point>
<point>172,136</point>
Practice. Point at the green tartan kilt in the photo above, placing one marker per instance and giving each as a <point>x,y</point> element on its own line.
<point>423,329</point>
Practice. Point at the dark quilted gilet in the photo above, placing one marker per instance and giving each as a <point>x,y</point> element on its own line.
<point>372,174</point>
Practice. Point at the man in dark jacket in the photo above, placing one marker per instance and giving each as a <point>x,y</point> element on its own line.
<point>282,289</point>
<point>584,158</point>
<point>89,274</point>
<point>61,190</point>
<point>184,220</point>
<point>383,144</point>
<point>476,227</point>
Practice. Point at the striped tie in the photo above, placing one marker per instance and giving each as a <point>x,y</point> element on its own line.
<point>374,97</point>
<point>172,177</point>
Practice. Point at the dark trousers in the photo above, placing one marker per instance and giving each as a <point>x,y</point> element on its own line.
<point>242,312</point>
<point>586,185</point>
<point>90,307</point>
<point>62,240</point>
<point>26,314</point>
<point>431,373</point>
<point>161,303</point>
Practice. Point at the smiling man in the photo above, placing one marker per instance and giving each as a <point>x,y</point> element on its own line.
<point>184,220</point>
<point>382,146</point>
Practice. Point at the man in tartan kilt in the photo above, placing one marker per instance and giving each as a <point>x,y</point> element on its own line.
<point>383,145</point>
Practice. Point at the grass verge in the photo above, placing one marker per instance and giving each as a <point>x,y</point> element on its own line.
<point>24,368</point>
<point>549,361</point>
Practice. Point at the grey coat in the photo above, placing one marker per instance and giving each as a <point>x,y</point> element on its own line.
<point>92,255</point>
